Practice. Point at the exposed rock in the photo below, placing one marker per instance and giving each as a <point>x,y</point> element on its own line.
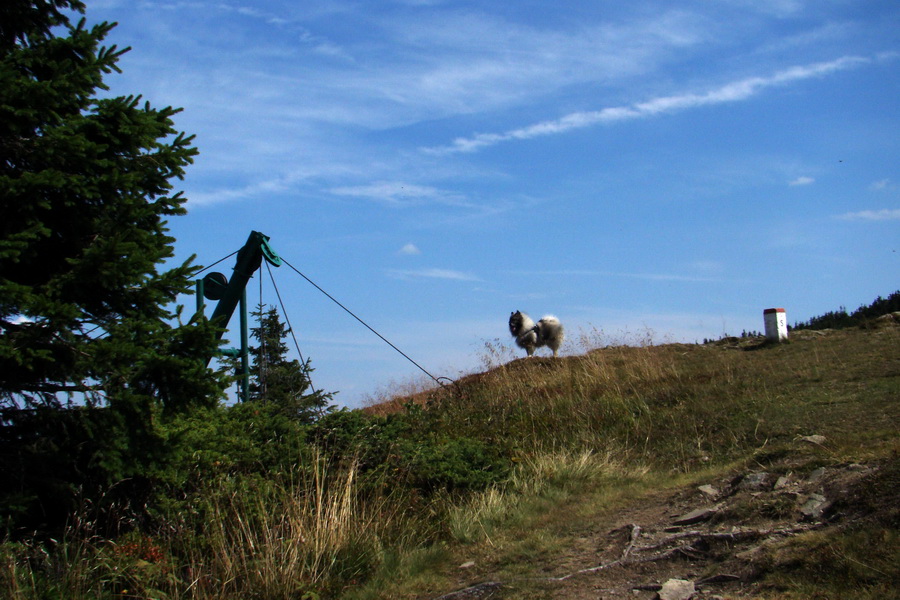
<point>696,516</point>
<point>467,565</point>
<point>815,506</point>
<point>783,482</point>
<point>813,439</point>
<point>480,590</point>
<point>756,482</point>
<point>677,589</point>
<point>709,490</point>
<point>717,537</point>
<point>816,475</point>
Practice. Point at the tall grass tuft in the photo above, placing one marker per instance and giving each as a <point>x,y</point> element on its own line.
<point>552,475</point>
<point>302,531</point>
<point>245,539</point>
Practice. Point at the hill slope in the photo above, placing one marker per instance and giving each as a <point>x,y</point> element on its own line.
<point>746,469</point>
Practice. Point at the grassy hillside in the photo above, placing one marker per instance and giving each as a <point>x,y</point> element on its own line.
<point>679,406</point>
<point>630,430</point>
<point>521,474</point>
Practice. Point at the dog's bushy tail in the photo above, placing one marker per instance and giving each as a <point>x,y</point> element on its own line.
<point>550,333</point>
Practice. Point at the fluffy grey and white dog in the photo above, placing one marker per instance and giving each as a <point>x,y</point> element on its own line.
<point>530,335</point>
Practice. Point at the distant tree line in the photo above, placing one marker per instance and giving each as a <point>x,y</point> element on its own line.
<point>840,318</point>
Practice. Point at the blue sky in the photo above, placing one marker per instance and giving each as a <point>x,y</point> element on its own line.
<point>662,169</point>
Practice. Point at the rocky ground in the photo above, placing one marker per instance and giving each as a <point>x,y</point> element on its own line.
<point>707,541</point>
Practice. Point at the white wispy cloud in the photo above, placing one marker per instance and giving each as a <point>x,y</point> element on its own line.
<point>778,8</point>
<point>802,181</point>
<point>460,62</point>
<point>402,68</point>
<point>220,196</point>
<point>277,184</point>
<point>410,249</point>
<point>885,214</point>
<point>641,276</point>
<point>732,92</point>
<point>708,266</point>
<point>400,193</point>
<point>881,185</point>
<point>433,274</point>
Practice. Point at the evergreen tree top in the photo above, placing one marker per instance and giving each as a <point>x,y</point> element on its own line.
<point>25,22</point>
<point>85,190</point>
<point>277,380</point>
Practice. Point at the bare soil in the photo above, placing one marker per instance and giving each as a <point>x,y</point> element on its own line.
<point>721,535</point>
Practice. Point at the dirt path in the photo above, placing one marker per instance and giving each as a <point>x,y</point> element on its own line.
<point>712,537</point>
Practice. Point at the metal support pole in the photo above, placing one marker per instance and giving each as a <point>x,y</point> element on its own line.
<point>200,295</point>
<point>230,294</point>
<point>245,352</point>
<point>248,260</point>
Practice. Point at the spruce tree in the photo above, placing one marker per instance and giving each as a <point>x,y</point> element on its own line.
<point>85,191</point>
<point>275,380</point>
<point>92,354</point>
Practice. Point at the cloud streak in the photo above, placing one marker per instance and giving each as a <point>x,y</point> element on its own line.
<point>885,214</point>
<point>641,276</point>
<point>433,274</point>
<point>732,92</point>
<point>881,185</point>
<point>399,193</point>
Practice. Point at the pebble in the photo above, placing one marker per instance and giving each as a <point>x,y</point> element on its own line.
<point>677,589</point>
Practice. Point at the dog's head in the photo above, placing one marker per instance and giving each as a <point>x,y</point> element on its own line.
<point>515,322</point>
<point>520,323</point>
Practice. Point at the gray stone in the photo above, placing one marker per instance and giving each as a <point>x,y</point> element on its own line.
<point>813,439</point>
<point>816,475</point>
<point>783,482</point>
<point>677,589</point>
<point>709,490</point>
<point>756,482</point>
<point>815,506</point>
<point>695,516</point>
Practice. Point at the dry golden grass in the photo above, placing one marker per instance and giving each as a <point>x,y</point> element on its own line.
<point>681,404</point>
<point>599,427</point>
<point>596,430</point>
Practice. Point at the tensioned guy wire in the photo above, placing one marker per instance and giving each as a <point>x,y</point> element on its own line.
<point>263,351</point>
<point>208,267</point>
<point>437,380</point>
<point>287,320</point>
<point>349,312</point>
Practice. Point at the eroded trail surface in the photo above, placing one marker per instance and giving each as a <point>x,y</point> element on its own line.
<point>710,540</point>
